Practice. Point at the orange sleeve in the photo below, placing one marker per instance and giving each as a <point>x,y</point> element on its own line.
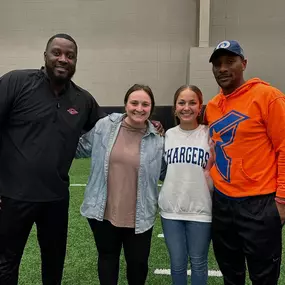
<point>204,116</point>
<point>276,132</point>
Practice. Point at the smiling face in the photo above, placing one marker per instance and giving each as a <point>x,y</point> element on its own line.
<point>187,107</point>
<point>228,71</point>
<point>60,60</point>
<point>138,108</point>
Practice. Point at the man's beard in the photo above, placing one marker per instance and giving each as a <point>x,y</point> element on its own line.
<point>58,80</point>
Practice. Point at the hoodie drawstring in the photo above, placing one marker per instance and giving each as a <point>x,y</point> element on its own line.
<point>222,103</point>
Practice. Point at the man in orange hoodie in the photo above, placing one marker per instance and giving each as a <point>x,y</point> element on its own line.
<point>247,127</point>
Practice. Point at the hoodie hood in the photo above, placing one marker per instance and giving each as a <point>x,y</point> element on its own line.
<point>222,99</point>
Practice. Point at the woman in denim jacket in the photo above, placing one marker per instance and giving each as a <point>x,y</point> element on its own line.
<point>121,196</point>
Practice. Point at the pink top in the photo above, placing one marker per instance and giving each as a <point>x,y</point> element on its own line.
<point>123,176</point>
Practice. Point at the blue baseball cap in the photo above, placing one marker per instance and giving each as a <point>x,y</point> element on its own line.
<point>228,46</point>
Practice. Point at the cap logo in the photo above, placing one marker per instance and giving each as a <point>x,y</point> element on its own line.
<point>224,44</point>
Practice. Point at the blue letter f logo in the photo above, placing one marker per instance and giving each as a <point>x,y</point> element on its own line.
<point>223,134</point>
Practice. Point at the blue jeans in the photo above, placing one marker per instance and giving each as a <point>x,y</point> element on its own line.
<point>187,239</point>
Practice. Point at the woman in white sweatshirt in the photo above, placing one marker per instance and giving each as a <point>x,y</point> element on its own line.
<point>185,198</point>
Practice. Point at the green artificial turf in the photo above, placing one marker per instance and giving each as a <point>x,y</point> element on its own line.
<point>81,258</point>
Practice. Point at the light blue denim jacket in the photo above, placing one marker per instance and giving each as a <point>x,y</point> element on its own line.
<point>98,144</point>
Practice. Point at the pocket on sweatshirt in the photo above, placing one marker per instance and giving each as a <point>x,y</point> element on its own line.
<point>196,206</point>
<point>167,199</point>
<point>192,201</point>
<point>162,201</point>
<point>240,174</point>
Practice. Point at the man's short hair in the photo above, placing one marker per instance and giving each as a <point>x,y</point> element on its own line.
<point>62,36</point>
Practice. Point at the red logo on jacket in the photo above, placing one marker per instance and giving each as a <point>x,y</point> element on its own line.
<point>72,111</point>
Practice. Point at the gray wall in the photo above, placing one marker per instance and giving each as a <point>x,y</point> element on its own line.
<point>259,25</point>
<point>121,42</point>
<point>200,72</point>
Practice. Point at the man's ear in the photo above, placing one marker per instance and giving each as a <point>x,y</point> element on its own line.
<point>244,64</point>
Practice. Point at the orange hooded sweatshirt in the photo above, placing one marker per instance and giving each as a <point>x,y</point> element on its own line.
<point>248,131</point>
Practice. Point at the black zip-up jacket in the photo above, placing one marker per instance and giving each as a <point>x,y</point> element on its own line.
<point>39,132</point>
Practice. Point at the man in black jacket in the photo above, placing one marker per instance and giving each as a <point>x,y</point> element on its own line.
<point>42,115</point>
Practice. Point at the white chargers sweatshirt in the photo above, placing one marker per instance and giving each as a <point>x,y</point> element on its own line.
<point>185,194</point>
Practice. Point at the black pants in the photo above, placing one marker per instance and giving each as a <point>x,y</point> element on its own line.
<point>16,221</point>
<point>109,241</point>
<point>247,230</point>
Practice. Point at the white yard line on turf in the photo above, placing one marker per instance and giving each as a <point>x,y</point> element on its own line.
<point>212,273</point>
<point>160,235</point>
<point>78,185</point>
